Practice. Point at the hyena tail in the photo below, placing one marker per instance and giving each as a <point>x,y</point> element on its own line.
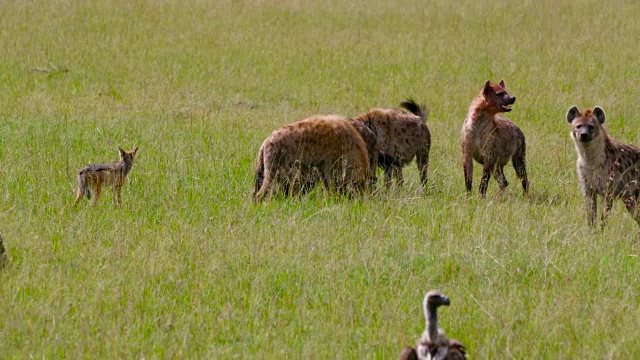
<point>259,172</point>
<point>414,108</point>
<point>519,164</point>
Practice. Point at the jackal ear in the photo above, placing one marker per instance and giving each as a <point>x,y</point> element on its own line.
<point>135,150</point>
<point>599,113</point>
<point>120,151</point>
<point>572,113</point>
<point>502,84</point>
<point>487,88</point>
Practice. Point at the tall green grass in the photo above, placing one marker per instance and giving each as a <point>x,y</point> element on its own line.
<point>189,267</point>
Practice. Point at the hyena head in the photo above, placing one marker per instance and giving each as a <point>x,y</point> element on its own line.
<point>586,125</point>
<point>496,97</point>
<point>127,156</point>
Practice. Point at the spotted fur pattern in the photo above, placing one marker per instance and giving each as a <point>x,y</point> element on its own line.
<point>491,139</point>
<point>606,167</point>
<point>328,147</point>
<point>402,135</point>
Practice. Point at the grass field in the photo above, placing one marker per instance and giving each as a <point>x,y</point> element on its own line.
<point>190,267</point>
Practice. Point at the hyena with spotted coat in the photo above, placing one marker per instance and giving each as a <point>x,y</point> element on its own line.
<point>491,139</point>
<point>94,177</point>
<point>328,146</point>
<point>606,167</point>
<point>402,135</point>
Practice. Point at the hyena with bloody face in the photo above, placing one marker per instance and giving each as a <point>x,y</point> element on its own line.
<point>401,136</point>
<point>327,146</point>
<point>491,139</point>
<point>606,167</point>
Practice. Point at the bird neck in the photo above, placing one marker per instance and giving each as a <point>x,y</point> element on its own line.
<point>432,323</point>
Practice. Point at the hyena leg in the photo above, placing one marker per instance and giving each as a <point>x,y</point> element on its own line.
<point>487,169</point>
<point>592,207</point>
<point>268,179</point>
<point>631,202</point>
<point>467,164</point>
<point>397,173</point>
<point>519,165</point>
<point>422,160</point>
<point>388,170</point>
<point>608,203</point>
<point>500,178</point>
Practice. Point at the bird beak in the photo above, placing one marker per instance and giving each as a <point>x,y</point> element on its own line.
<point>446,301</point>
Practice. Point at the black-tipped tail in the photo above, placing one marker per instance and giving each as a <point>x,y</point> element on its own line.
<point>414,108</point>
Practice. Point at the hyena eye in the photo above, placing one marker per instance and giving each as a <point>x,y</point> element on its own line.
<point>591,127</point>
<point>500,94</point>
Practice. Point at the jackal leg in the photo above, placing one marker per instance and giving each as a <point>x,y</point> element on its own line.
<point>79,195</point>
<point>98,190</point>
<point>117,190</point>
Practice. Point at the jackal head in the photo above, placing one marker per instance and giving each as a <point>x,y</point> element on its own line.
<point>127,156</point>
<point>496,97</point>
<point>586,125</point>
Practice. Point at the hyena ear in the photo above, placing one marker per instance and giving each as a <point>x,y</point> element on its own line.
<point>502,84</point>
<point>599,113</point>
<point>487,88</point>
<point>572,113</point>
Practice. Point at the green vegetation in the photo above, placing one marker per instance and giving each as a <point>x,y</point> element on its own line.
<point>189,267</point>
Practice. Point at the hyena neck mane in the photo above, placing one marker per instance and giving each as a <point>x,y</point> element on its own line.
<point>480,111</point>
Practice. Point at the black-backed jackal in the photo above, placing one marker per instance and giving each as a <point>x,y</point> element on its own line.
<point>94,177</point>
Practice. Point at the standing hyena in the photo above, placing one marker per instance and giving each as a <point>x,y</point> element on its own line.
<point>606,167</point>
<point>492,140</point>
<point>328,145</point>
<point>401,136</point>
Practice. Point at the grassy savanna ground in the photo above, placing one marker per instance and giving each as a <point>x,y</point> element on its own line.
<point>189,267</point>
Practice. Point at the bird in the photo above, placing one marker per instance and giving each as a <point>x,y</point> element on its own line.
<point>434,343</point>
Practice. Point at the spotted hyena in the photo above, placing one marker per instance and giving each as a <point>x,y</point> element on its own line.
<point>327,146</point>
<point>606,167</point>
<point>402,135</point>
<point>309,177</point>
<point>491,139</point>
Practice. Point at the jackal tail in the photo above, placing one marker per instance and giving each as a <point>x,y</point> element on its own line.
<point>82,185</point>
